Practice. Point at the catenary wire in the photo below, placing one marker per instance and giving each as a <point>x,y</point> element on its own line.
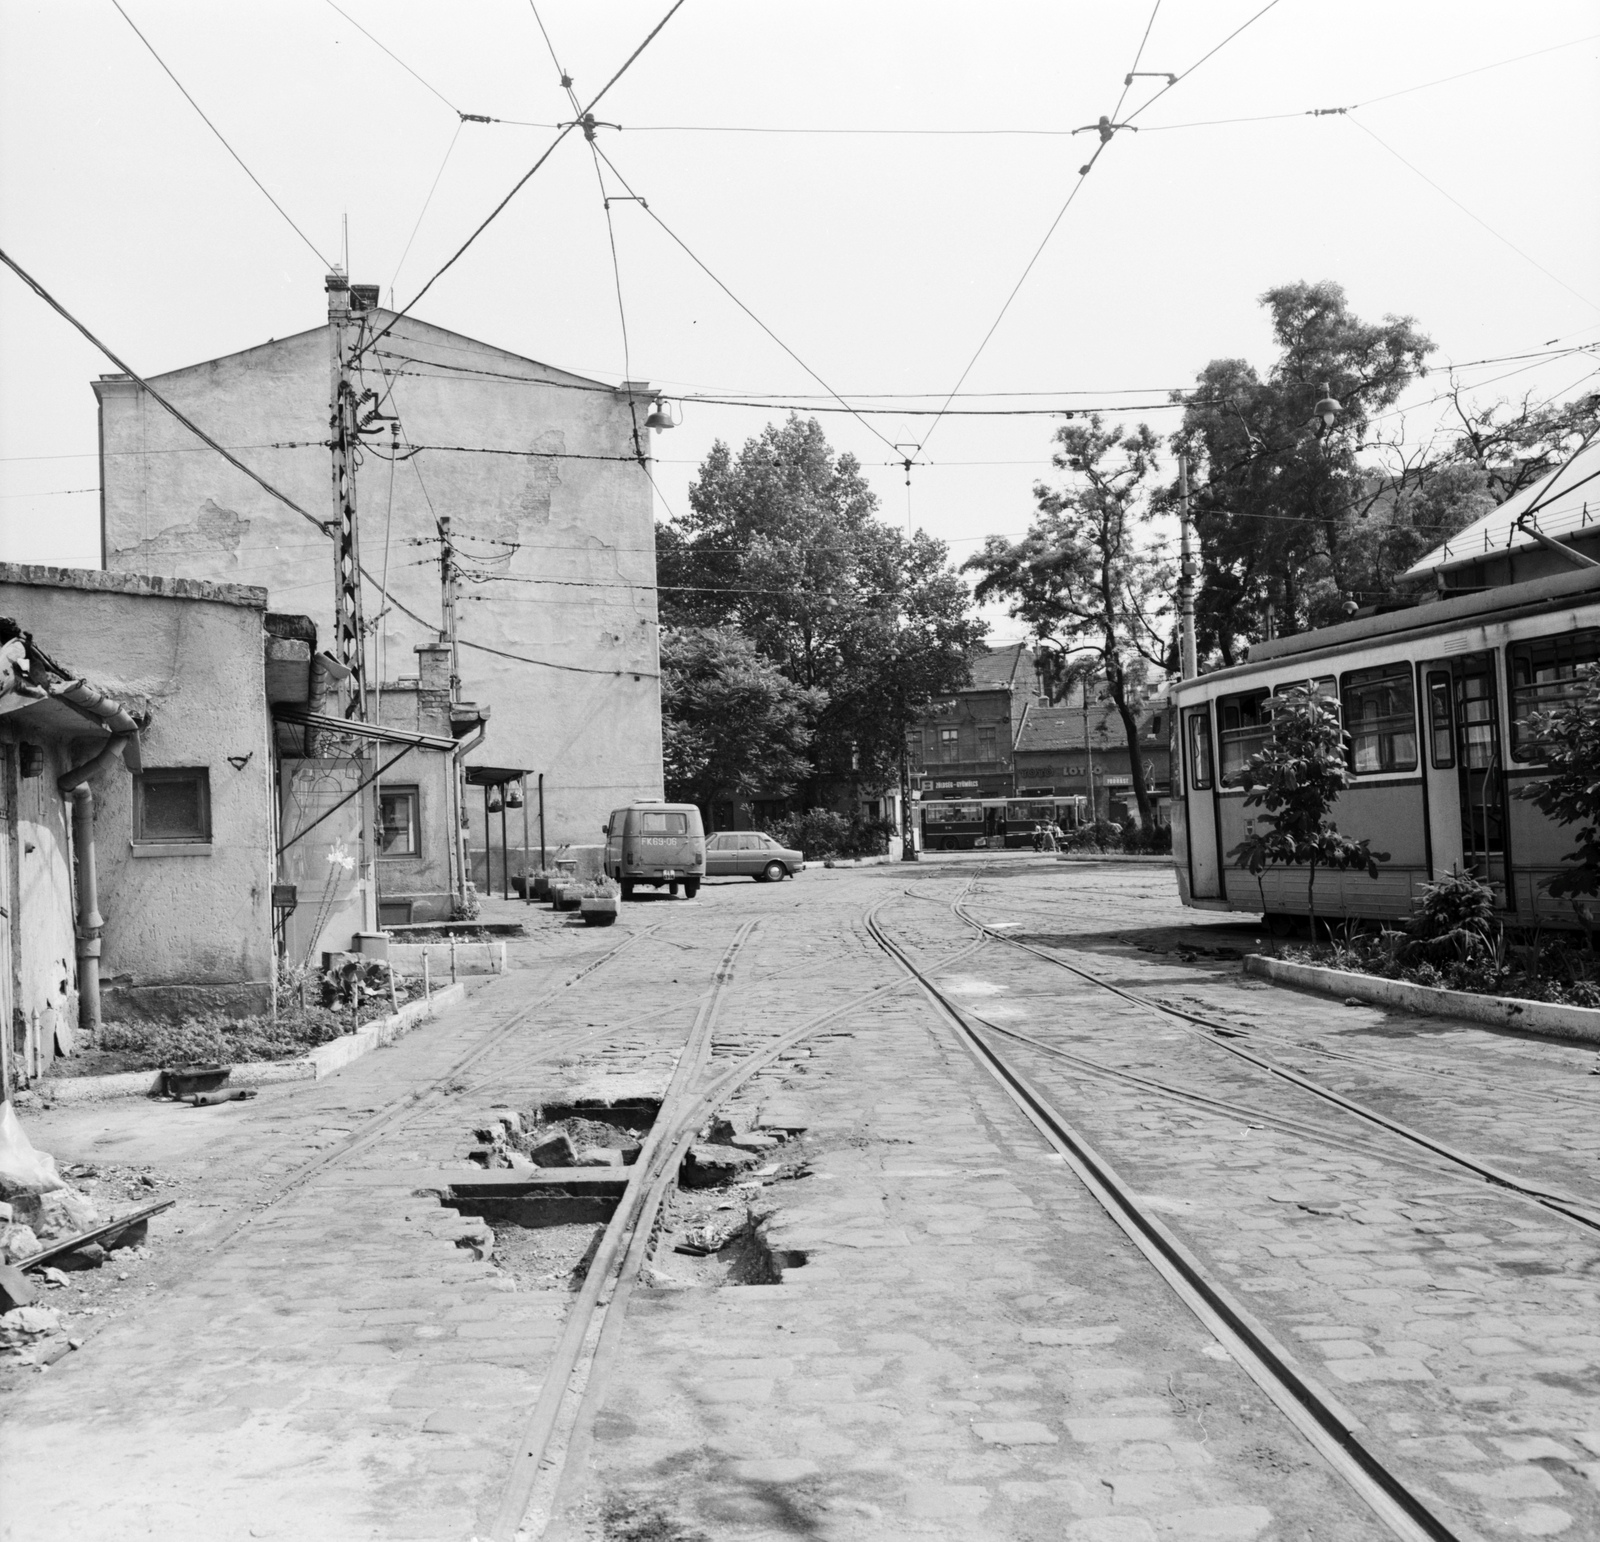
<point>526,177</point>
<point>218,132</point>
<point>397,59</point>
<point>433,188</point>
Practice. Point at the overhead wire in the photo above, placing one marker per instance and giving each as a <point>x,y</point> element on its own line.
<point>221,139</point>
<point>526,177</point>
<point>378,42</point>
<point>432,189</point>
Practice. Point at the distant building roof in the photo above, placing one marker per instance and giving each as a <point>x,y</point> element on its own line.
<point>1008,664</point>
<point>1061,728</point>
<point>1565,502</point>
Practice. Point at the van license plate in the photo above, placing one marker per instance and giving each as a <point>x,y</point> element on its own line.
<point>669,872</point>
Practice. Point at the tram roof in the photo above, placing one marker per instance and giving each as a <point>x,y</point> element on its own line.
<point>1565,501</point>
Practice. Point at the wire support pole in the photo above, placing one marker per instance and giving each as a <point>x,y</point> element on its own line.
<point>349,640</point>
<point>1188,655</point>
<point>447,601</point>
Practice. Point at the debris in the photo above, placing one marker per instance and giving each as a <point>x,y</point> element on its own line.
<point>554,1151</point>
<point>24,1325</point>
<point>15,1290</point>
<point>90,1256</point>
<point>754,1141</point>
<point>185,1081</point>
<point>57,1214</point>
<point>17,1243</point>
<point>600,1156</point>
<point>24,1171</point>
<point>107,1232</point>
<point>222,1095</point>
<point>6,1215</point>
<point>1354,1001</point>
<point>706,1166</point>
<point>53,1276</point>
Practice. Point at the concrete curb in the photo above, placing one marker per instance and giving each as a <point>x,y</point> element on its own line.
<point>468,958</point>
<point>1580,1023</point>
<point>312,1066</point>
<point>1164,860</point>
<point>849,861</point>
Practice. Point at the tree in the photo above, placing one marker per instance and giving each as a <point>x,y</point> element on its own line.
<point>782,543</point>
<point>1083,578</point>
<point>1512,451</point>
<point>1275,497</point>
<point>1297,778</point>
<point>1568,736</point>
<point>731,725</point>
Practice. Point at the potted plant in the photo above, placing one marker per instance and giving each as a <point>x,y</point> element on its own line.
<point>599,902</point>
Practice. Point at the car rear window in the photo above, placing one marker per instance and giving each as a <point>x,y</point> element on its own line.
<point>664,824</point>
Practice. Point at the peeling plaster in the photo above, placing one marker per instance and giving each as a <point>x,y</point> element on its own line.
<point>214,530</point>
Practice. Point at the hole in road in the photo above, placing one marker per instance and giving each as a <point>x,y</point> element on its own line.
<point>543,1241</point>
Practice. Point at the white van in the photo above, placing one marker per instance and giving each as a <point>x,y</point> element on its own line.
<point>659,844</point>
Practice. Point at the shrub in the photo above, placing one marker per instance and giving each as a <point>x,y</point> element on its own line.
<point>820,832</point>
<point>1455,919</point>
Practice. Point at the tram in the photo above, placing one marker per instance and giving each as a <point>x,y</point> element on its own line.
<point>995,823</point>
<point>1434,700</point>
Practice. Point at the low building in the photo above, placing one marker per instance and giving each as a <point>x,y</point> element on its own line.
<point>962,749</point>
<point>136,804</point>
<point>1083,750</point>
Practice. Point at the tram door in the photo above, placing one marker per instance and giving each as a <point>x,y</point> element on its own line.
<point>1199,801</point>
<point>1438,696</point>
<point>1480,769</point>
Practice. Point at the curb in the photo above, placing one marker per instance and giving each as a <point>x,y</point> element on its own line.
<point>446,959</point>
<point>316,1063</point>
<point>1579,1023</point>
<point>1162,860</point>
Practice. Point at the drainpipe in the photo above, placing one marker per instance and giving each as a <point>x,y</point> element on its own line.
<point>464,748</point>
<point>90,921</point>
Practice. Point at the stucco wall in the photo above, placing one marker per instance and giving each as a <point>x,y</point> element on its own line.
<point>569,541</point>
<point>421,704</point>
<point>182,933</point>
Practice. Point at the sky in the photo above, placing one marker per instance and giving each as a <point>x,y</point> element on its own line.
<point>877,264</point>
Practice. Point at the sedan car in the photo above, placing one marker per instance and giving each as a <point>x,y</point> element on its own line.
<point>750,854</point>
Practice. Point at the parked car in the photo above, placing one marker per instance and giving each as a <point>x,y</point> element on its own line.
<point>656,845</point>
<point>750,854</point>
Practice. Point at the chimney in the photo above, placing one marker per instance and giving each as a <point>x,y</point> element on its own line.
<point>338,297</point>
<point>433,667</point>
<point>363,297</point>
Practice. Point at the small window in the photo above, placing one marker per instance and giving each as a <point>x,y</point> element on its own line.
<point>1381,717</point>
<point>949,744</point>
<point>1155,726</point>
<point>1243,730</point>
<point>1441,723</point>
<point>1544,674</point>
<point>986,746</point>
<point>172,804</point>
<point>654,823</point>
<point>398,835</point>
<point>1199,750</point>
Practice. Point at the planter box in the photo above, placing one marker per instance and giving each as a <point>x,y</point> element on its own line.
<point>599,910</point>
<point>564,896</point>
<point>1580,1023</point>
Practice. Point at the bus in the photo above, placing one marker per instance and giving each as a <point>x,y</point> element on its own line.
<point>1434,700</point>
<point>956,824</point>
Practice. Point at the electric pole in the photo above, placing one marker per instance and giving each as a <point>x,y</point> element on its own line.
<point>1188,659</point>
<point>349,642</point>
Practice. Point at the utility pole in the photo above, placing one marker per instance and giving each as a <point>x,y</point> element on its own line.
<point>349,642</point>
<point>447,600</point>
<point>1188,658</point>
<point>908,826</point>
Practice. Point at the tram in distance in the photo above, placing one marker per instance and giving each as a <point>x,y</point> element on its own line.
<point>957,824</point>
<point>1434,700</point>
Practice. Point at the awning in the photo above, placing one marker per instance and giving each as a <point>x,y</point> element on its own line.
<point>495,776</point>
<point>383,734</point>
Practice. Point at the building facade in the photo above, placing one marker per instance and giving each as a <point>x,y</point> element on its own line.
<point>531,473</point>
<point>1083,750</point>
<point>963,747</point>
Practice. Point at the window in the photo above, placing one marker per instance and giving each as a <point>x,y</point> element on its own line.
<point>1199,750</point>
<point>949,745</point>
<point>653,823</point>
<point>722,843</point>
<point>172,805</point>
<point>986,749</point>
<point>1441,723</point>
<point>398,835</point>
<point>1544,674</point>
<point>1243,730</point>
<point>1380,714</point>
<point>1155,726</point>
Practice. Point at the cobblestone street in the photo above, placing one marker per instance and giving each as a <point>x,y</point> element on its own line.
<point>919,1322</point>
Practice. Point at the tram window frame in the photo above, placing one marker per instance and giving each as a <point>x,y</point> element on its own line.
<point>1258,731</point>
<point>1441,690</point>
<point>1571,649</point>
<point>1399,676</point>
<point>1200,719</point>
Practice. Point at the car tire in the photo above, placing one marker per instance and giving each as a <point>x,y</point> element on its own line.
<point>774,872</point>
<point>691,888</point>
<point>627,889</point>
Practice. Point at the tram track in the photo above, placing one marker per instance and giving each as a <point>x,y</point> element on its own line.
<point>1576,1209</point>
<point>1325,1424</point>
<point>538,1492</point>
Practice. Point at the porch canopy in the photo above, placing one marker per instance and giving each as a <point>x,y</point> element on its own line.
<point>503,778</point>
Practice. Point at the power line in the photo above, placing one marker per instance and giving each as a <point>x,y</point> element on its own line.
<point>525,178</point>
<point>398,60</point>
<point>1470,215</point>
<point>432,189</point>
<point>218,132</point>
<point>144,385</point>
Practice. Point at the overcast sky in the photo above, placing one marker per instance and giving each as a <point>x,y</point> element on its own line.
<point>880,259</point>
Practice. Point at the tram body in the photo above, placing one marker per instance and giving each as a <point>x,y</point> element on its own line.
<point>968,824</point>
<point>1433,700</point>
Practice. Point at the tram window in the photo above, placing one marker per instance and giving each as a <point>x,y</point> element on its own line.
<point>1380,712</point>
<point>1243,731</point>
<point>1544,674</point>
<point>1441,723</point>
<point>1199,750</point>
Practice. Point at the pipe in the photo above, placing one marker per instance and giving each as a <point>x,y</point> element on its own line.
<point>90,922</point>
<point>541,822</point>
<point>505,849</point>
<point>464,747</point>
<point>527,882</point>
<point>128,743</point>
<point>1576,557</point>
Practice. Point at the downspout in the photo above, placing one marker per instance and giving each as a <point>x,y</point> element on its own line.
<point>470,743</point>
<point>90,922</point>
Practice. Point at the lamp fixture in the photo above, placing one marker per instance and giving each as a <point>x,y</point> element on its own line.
<point>661,415</point>
<point>1326,410</point>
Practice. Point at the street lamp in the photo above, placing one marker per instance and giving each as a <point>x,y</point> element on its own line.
<point>1326,411</point>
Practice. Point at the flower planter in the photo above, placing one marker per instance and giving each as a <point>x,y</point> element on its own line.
<point>564,896</point>
<point>599,910</point>
<point>541,886</point>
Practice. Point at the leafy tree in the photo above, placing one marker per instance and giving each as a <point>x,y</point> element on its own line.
<point>782,543</point>
<point>1083,576</point>
<point>1297,778</point>
<point>732,725</point>
<point>1568,736</point>
<point>1275,494</point>
<point>1511,448</point>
